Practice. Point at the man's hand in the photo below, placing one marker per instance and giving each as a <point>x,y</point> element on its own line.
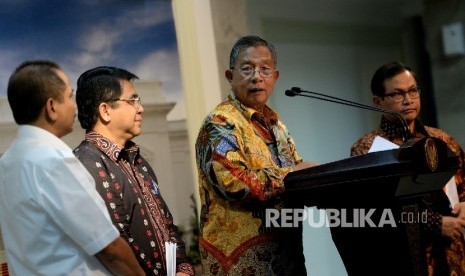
<point>459,210</point>
<point>119,259</point>
<point>452,227</point>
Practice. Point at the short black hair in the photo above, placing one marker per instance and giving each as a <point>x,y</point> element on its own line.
<point>387,71</point>
<point>29,87</point>
<point>95,86</point>
<point>250,41</point>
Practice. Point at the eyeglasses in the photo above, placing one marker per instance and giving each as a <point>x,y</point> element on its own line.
<point>136,102</point>
<point>399,96</point>
<point>249,71</point>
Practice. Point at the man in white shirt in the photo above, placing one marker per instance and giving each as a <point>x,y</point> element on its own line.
<point>52,219</point>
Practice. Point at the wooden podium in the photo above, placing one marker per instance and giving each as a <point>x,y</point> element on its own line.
<point>393,182</point>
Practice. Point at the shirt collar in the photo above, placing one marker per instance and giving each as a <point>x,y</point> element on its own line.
<point>249,112</point>
<point>394,130</point>
<point>38,133</point>
<point>112,149</point>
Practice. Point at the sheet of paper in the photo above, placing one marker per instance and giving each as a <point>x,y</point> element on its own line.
<point>170,248</point>
<point>453,195</point>
<point>451,192</point>
<point>380,144</point>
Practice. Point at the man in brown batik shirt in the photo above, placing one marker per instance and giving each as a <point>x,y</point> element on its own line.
<point>395,87</point>
<point>111,113</point>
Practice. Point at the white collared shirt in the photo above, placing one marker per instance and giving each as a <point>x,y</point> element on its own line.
<point>52,219</point>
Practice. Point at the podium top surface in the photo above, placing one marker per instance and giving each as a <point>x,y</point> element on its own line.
<point>413,159</point>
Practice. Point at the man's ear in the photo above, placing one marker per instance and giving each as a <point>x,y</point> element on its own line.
<point>276,73</point>
<point>377,101</point>
<point>229,75</point>
<point>104,112</point>
<point>51,110</point>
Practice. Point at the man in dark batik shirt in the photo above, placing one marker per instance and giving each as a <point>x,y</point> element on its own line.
<point>111,113</point>
<point>395,87</point>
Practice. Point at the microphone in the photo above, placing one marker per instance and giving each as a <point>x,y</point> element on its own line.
<point>297,91</point>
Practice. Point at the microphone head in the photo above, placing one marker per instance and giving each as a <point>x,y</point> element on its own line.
<point>297,90</point>
<point>289,93</point>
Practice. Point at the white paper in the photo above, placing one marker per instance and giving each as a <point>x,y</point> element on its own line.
<point>451,192</point>
<point>380,144</point>
<point>170,249</point>
<point>453,195</point>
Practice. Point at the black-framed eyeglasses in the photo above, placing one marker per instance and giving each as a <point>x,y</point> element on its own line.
<point>248,71</point>
<point>136,102</point>
<point>399,96</point>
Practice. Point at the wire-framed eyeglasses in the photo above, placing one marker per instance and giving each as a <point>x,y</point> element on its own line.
<point>136,101</point>
<point>399,96</point>
<point>248,71</point>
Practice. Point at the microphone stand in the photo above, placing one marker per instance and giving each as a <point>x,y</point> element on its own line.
<point>297,91</point>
